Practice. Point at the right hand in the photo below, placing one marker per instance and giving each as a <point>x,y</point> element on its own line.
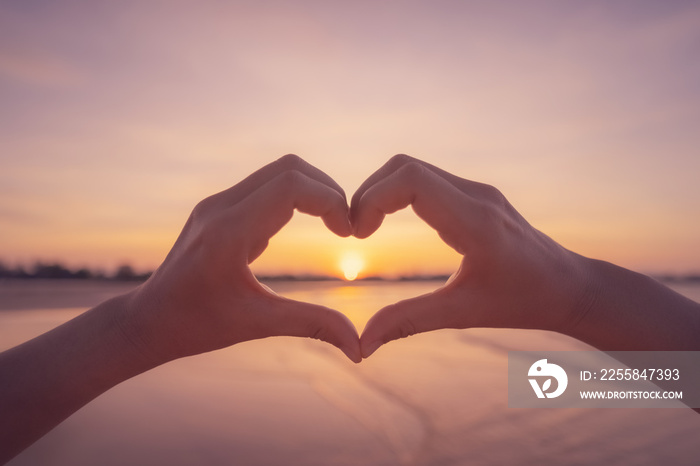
<point>511,275</point>
<point>204,295</point>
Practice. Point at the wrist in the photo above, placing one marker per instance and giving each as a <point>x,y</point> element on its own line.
<point>585,297</point>
<point>134,318</point>
<point>566,293</point>
<point>627,311</point>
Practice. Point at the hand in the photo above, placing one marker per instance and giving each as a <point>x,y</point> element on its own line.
<point>204,296</point>
<point>511,275</point>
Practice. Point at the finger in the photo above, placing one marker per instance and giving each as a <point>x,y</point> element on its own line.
<point>288,162</point>
<point>440,204</point>
<point>271,206</point>
<point>472,188</point>
<point>425,313</point>
<point>286,317</point>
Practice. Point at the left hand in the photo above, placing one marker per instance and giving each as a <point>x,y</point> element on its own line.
<point>511,275</point>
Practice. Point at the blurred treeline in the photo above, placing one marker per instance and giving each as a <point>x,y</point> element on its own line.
<point>41,270</point>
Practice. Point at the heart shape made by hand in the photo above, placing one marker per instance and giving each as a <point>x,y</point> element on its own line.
<point>506,264</point>
<point>506,267</point>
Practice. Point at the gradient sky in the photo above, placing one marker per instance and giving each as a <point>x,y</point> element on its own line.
<point>117,117</point>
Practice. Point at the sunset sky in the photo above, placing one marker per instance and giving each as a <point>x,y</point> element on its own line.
<point>116,118</point>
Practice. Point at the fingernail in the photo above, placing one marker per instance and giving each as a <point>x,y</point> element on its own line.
<point>370,348</point>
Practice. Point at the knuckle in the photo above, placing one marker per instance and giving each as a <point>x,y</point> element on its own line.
<point>317,331</point>
<point>213,232</point>
<point>403,325</point>
<point>413,172</point>
<point>290,180</point>
<point>497,211</point>
<point>494,195</point>
<point>290,161</point>
<point>204,207</point>
<point>407,328</point>
<point>489,213</point>
<point>497,222</point>
<point>399,160</point>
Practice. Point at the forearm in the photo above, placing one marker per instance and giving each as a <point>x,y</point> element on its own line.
<point>45,380</point>
<point>195,302</point>
<point>627,311</point>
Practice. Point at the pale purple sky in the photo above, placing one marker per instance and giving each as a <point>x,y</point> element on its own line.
<point>117,117</point>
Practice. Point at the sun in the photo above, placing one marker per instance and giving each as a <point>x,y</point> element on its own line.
<point>351,264</point>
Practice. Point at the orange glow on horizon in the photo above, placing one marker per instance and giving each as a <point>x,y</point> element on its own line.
<point>306,247</point>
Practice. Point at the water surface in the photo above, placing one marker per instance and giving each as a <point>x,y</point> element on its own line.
<point>434,399</point>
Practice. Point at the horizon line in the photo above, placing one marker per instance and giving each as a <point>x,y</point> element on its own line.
<point>125,272</point>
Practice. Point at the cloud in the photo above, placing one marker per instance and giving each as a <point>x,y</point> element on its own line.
<point>38,69</point>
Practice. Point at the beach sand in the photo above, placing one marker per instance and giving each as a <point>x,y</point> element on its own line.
<point>433,399</point>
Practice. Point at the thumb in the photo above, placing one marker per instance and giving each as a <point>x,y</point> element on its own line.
<point>300,319</point>
<point>424,313</point>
